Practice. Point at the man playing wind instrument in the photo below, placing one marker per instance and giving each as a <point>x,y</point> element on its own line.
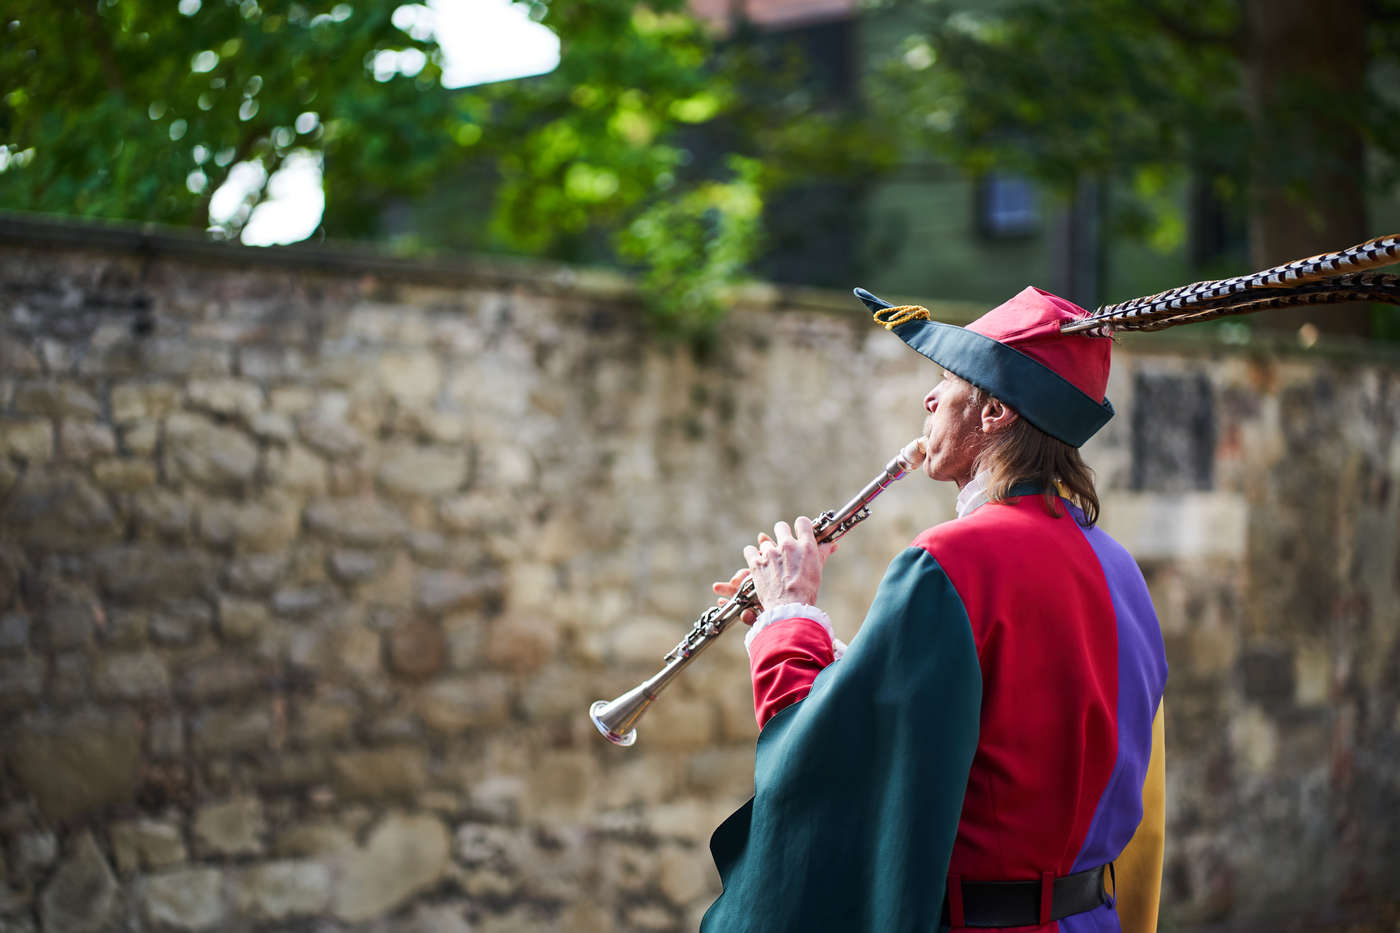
<point>989,751</point>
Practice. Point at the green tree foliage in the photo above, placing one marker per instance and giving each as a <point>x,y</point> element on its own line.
<point>132,109</point>
<point>140,109</point>
<point>1284,111</point>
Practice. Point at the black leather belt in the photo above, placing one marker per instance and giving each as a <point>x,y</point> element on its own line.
<point>1023,903</point>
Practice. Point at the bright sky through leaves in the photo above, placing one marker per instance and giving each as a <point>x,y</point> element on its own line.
<point>481,41</point>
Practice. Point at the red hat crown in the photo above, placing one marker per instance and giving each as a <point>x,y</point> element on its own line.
<point>1030,322</point>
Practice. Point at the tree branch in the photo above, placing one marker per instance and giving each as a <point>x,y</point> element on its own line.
<point>97,31</point>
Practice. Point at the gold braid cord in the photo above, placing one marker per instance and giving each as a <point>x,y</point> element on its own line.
<point>1328,278</point>
<point>896,315</point>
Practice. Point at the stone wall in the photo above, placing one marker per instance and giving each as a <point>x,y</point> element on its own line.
<point>311,562</point>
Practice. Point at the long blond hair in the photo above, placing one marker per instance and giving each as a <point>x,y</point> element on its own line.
<point>1025,454</point>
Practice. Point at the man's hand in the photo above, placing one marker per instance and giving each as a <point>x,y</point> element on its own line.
<point>794,566</point>
<point>787,568</point>
<point>726,591</point>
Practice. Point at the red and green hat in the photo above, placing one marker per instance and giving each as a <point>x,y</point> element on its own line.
<point>1016,352</point>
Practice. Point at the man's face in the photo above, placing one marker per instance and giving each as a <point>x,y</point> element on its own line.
<point>952,431</point>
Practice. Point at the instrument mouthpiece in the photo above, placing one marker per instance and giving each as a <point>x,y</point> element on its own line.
<point>913,453</point>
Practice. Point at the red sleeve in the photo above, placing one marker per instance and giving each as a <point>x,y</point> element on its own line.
<point>784,659</point>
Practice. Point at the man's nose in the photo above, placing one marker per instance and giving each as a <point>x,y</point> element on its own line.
<point>931,400</point>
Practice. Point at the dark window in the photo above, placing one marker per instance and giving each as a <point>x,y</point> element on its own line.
<point>1006,206</point>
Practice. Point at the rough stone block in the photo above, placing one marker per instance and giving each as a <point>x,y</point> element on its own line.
<point>466,636</point>
<point>1254,741</point>
<point>165,737</point>
<point>146,844</point>
<point>29,853</point>
<point>75,765</point>
<point>391,589</point>
<point>277,363</point>
<point>417,649</point>
<point>289,771</point>
<point>116,475</point>
<point>454,705</point>
<point>231,397</point>
<point>1268,675</point>
<point>80,441</point>
<point>452,918</point>
<point>279,890</point>
<point>82,896</point>
<point>133,401</point>
<point>303,601</point>
<point>263,525</point>
<point>1312,676</point>
<point>552,692</point>
<point>315,840</point>
<point>30,440</point>
<point>506,466</point>
<point>1196,525</point>
<point>162,512</point>
<point>434,424</point>
<point>181,622</point>
<point>140,438</point>
<point>241,619</point>
<point>71,674</point>
<point>324,719</point>
<point>55,400</point>
<point>331,437</point>
<point>21,682</point>
<point>14,630</point>
<point>257,573</point>
<point>133,675</point>
<point>486,845</point>
<point>126,628</point>
<point>297,469</point>
<point>207,454</point>
<point>422,471</point>
<point>218,677</point>
<point>291,399</point>
<point>356,522</point>
<point>67,622</point>
<point>232,827</point>
<point>561,785</point>
<point>355,566</point>
<point>431,548</point>
<point>521,643</point>
<point>683,874</point>
<point>447,590</point>
<point>232,730</point>
<point>186,899</point>
<point>272,426</point>
<point>176,356</point>
<point>381,772</point>
<point>60,509</point>
<point>411,379</point>
<point>15,357</point>
<point>404,854</point>
<point>138,570</point>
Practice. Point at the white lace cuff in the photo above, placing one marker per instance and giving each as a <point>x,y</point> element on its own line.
<point>795,611</point>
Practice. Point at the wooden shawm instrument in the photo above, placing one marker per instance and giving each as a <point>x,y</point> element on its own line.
<point>1328,278</point>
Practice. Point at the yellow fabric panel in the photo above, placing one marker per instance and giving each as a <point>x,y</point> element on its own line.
<point>1139,868</point>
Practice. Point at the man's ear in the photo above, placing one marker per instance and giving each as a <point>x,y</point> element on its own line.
<point>997,416</point>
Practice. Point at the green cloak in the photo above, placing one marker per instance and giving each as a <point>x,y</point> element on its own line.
<point>859,787</point>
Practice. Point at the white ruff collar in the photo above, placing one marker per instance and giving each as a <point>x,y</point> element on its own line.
<point>974,494</point>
